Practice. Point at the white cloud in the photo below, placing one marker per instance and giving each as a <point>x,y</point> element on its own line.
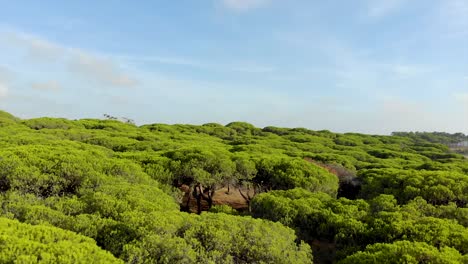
<point>81,63</point>
<point>167,60</point>
<point>36,49</point>
<point>253,68</point>
<point>243,5</point>
<point>99,69</point>
<point>382,8</point>
<point>245,67</point>
<point>51,85</point>
<point>43,50</point>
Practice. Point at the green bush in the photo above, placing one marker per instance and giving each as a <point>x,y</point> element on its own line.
<point>23,243</point>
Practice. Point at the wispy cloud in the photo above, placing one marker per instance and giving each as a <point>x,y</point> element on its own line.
<point>51,85</point>
<point>99,69</point>
<point>244,5</point>
<point>246,67</point>
<point>165,60</point>
<point>36,49</point>
<point>80,63</point>
<point>356,69</point>
<point>253,68</point>
<point>382,8</point>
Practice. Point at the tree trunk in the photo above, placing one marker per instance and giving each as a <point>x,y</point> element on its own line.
<point>198,196</point>
<point>187,204</point>
<point>198,204</point>
<point>211,194</point>
<point>207,195</point>
<point>246,197</point>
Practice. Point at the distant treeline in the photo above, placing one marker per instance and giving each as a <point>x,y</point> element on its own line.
<point>435,137</point>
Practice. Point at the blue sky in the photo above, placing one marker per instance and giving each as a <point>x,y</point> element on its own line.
<point>372,66</point>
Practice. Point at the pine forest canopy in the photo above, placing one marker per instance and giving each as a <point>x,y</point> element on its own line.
<point>108,191</point>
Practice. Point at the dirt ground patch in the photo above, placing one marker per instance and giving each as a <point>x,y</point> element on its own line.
<point>233,199</point>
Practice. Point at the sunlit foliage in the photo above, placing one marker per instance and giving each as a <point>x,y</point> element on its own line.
<point>111,192</point>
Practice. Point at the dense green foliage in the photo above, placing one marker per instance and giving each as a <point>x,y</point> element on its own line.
<point>23,243</point>
<point>405,252</point>
<point>110,191</point>
<point>457,142</point>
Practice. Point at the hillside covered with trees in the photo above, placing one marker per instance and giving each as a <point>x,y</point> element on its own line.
<point>457,142</point>
<point>107,191</point>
